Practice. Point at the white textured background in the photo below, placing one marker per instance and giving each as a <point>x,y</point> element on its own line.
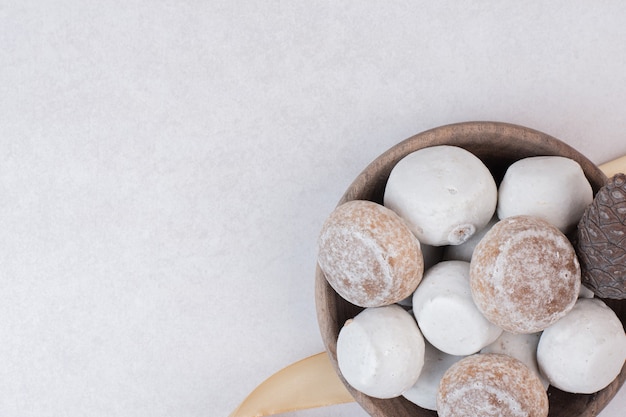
<point>165,167</point>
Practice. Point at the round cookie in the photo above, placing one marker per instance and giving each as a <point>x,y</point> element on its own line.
<point>445,194</point>
<point>380,352</point>
<point>524,274</point>
<point>553,188</point>
<point>584,351</point>
<point>446,313</point>
<point>424,391</point>
<point>491,384</point>
<point>369,255</point>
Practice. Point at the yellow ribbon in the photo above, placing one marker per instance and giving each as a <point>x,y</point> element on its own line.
<point>309,383</point>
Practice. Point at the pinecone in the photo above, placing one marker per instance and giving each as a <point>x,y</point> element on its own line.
<point>601,241</point>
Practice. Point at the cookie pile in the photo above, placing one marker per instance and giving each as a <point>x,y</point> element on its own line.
<point>500,315</point>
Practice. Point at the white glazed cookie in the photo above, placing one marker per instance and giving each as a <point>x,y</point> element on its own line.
<point>446,313</point>
<point>380,352</point>
<point>491,385</point>
<point>369,255</point>
<point>584,351</point>
<point>445,194</point>
<point>424,391</point>
<point>553,188</point>
<point>524,274</point>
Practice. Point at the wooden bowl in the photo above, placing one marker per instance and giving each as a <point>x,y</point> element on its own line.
<point>497,145</point>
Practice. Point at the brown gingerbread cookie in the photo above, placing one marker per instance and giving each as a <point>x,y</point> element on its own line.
<point>369,255</point>
<point>524,274</point>
<point>491,384</point>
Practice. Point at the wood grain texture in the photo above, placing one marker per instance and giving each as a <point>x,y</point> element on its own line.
<point>497,145</point>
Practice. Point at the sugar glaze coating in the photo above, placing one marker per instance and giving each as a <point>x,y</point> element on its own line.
<point>524,274</point>
<point>552,188</point>
<point>585,350</point>
<point>380,352</point>
<point>445,194</point>
<point>446,313</point>
<point>369,255</point>
<point>491,385</point>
